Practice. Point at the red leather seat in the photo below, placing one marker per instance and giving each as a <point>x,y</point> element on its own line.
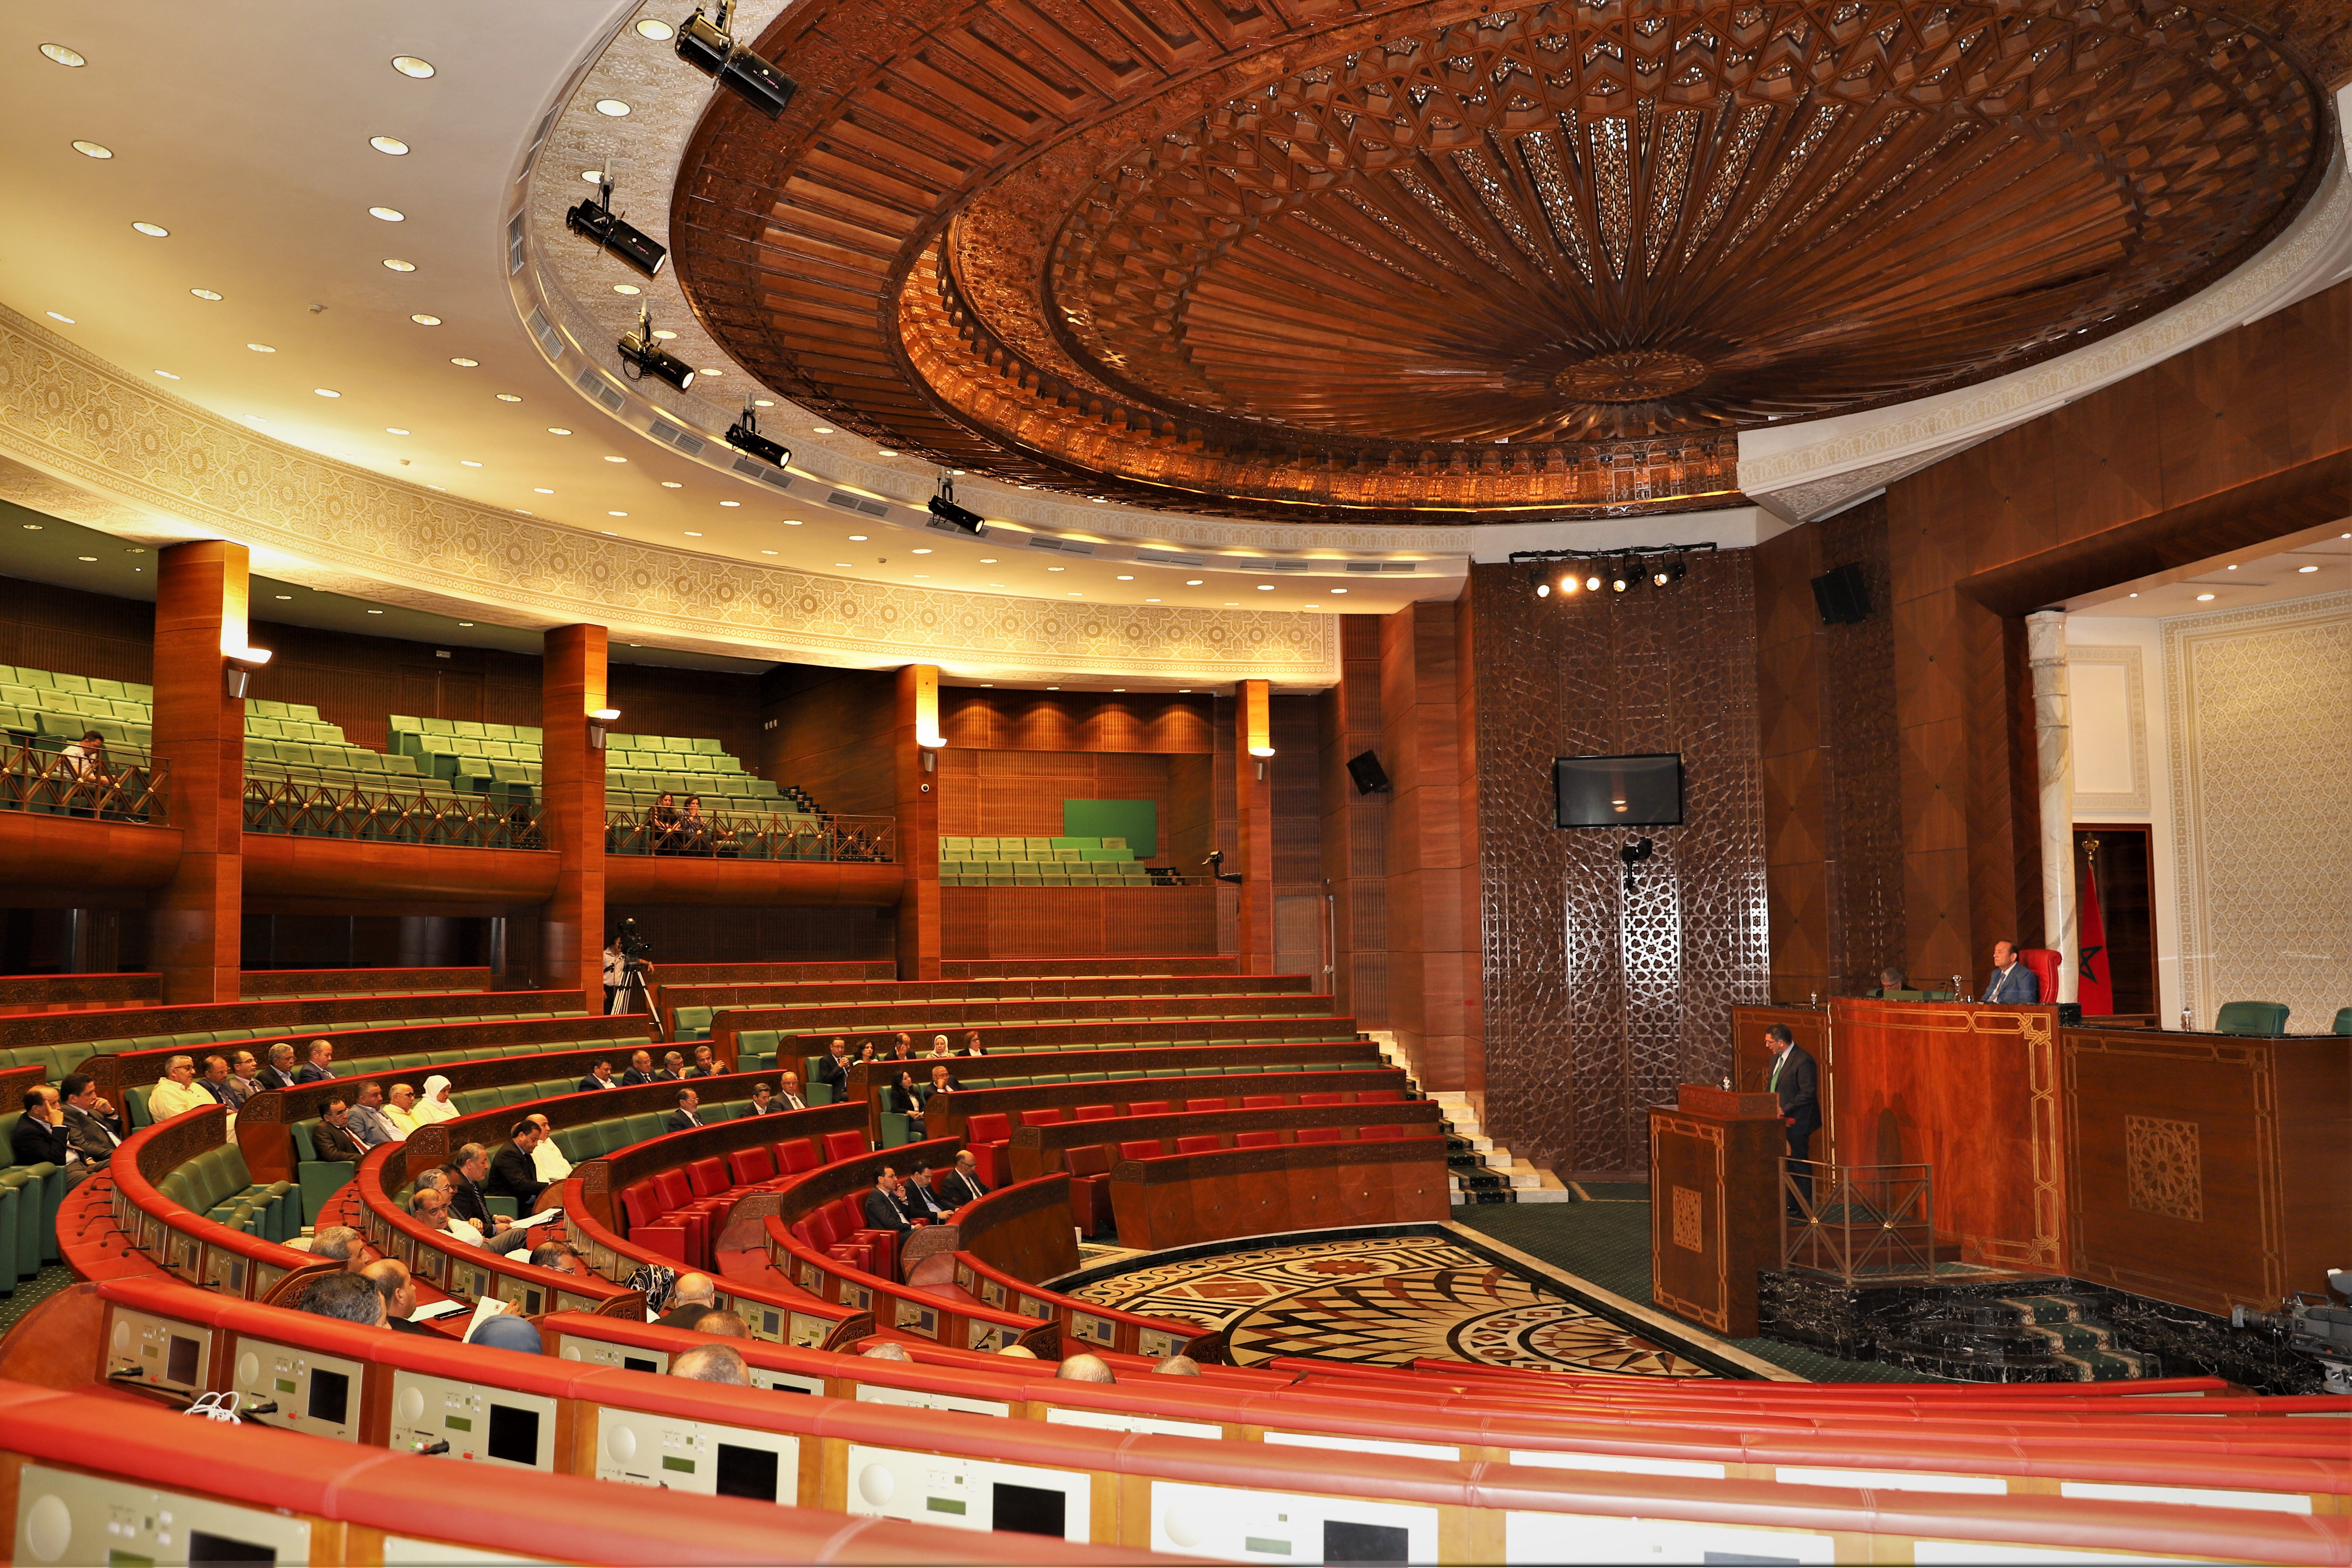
<point>1324,1097</point>
<point>1264,1102</point>
<point>1096,1113</point>
<point>749,1167</point>
<point>1199,1143</point>
<point>1146,1107</point>
<point>882,1248</point>
<point>855,1256</point>
<point>2043,963</point>
<point>818,1228</point>
<point>1319,1134</point>
<point>1267,1137</point>
<point>984,1138</point>
<point>708,1177</point>
<point>1210,1102</point>
<point>1140,1149</point>
<point>1382,1134</point>
<point>794,1155</point>
<point>806,1231</point>
<point>640,1204</point>
<point>1380,1097</point>
<point>840,1146</point>
<point>1090,1187</point>
<point>673,1189</point>
<point>1051,1116</point>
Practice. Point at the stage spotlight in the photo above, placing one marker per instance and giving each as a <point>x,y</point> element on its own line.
<point>1592,584</point>
<point>744,437</point>
<point>1543,590</point>
<point>1569,584</point>
<point>641,354</point>
<point>595,220</point>
<point>1673,571</point>
<point>944,508</point>
<point>1619,583</point>
<point>706,46</point>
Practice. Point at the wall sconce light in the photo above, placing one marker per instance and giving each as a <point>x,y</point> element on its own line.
<point>242,663</point>
<point>599,721</point>
<point>1257,722</point>
<point>926,711</point>
<point>931,761</point>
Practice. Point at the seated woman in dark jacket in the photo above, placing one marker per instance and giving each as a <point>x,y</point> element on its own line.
<point>901,1097</point>
<point>661,825</point>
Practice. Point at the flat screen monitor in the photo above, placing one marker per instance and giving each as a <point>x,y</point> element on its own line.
<point>747,1472</point>
<point>514,1434</point>
<point>1618,792</point>
<point>1028,1510</point>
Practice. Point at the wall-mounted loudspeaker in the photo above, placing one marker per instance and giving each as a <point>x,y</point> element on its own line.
<point>1366,770</point>
<point>1843,595</point>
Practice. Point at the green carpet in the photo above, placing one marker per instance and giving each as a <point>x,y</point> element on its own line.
<point>30,1293</point>
<point>1607,1242</point>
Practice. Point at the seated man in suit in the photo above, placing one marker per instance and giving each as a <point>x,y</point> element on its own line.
<point>2011,980</point>
<point>280,1073</point>
<point>368,1120</point>
<point>468,1169</point>
<point>763,1100</point>
<point>673,1069</point>
<point>883,1211</point>
<point>392,1281</point>
<point>513,1174</point>
<point>941,1081</point>
<point>332,1137</point>
<point>961,1185</point>
<point>244,1078</point>
<point>431,1207</point>
<point>684,1116</point>
<point>599,1077</point>
<point>39,1136</point>
<point>321,1067</point>
<point>1796,1079</point>
<point>1890,980</point>
<point>834,1068</point>
<point>919,1201</point>
<point>705,1065</point>
<point>788,1097</point>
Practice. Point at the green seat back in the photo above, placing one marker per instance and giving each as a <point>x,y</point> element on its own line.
<point>2344,1020</point>
<point>2251,1019</point>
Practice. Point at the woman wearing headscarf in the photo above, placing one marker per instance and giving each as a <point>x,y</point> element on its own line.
<point>436,1106</point>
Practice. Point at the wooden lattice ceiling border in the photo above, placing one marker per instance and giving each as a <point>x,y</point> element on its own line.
<point>1320,259</point>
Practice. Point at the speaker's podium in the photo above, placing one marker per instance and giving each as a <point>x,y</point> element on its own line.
<point>1715,1203</point>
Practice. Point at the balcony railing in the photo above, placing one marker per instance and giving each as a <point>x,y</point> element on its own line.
<point>122,783</point>
<point>1860,1224</point>
<point>328,803</point>
<point>783,836</point>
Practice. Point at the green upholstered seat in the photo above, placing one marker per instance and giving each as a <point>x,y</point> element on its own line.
<point>2344,1020</point>
<point>2251,1019</point>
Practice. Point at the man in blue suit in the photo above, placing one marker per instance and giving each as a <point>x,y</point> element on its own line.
<point>2011,980</point>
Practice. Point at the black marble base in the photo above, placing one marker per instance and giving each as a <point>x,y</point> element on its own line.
<point>2076,1331</point>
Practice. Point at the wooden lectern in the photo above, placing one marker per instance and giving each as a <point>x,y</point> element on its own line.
<point>1715,1203</point>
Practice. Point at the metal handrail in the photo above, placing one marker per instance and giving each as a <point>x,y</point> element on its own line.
<point>1859,1223</point>
<point>775,835</point>
<point>122,784</point>
<point>333,803</point>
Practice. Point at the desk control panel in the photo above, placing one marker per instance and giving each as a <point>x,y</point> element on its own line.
<point>603,1353</point>
<point>977,1494</point>
<point>300,1391</point>
<point>1530,1537</point>
<point>703,1456</point>
<point>65,1517</point>
<point>1120,1421</point>
<point>225,1272</point>
<point>1299,1526</point>
<point>441,1416</point>
<point>158,1352</point>
<point>923,1399</point>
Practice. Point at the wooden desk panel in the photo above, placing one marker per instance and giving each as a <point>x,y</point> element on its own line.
<point>2208,1170</point>
<point>1179,1199</point>
<point>1973,1090</point>
<point>1751,1061</point>
<point>1040,1151</point>
<point>1023,1231</point>
<point>1715,1213</point>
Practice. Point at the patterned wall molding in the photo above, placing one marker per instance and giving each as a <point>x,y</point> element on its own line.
<point>2261,742</point>
<point>2137,798</point>
<point>95,446</point>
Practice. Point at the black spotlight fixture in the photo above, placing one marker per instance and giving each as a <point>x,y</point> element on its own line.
<point>641,356</point>
<point>1619,583</point>
<point>1632,854</point>
<point>1664,571</point>
<point>705,43</point>
<point>744,437</point>
<point>944,508</point>
<point>633,246</point>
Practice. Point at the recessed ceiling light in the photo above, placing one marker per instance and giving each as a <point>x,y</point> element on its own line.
<point>2203,598</point>
<point>167,376</point>
<point>462,362</point>
<point>663,334</point>
<point>88,558</point>
<point>627,288</point>
<point>153,230</point>
<point>988,561</point>
<point>2229,568</point>
<point>285,595</point>
<point>594,176</point>
<point>253,419</point>
<point>324,392</point>
<point>884,452</point>
<point>1057,568</point>
<point>93,149</point>
<point>1230,605</point>
<point>792,522</point>
<point>1126,577</point>
<point>691,534</point>
<point>1338,590</point>
<point>393,430</point>
<point>857,539</point>
<point>1266,587</point>
<point>710,370</point>
<point>767,552</point>
<point>375,612</point>
<point>541,491</point>
<point>424,320</point>
<point>2298,569</point>
<point>64,56</point>
<point>1100,501</point>
<point>389,214</point>
<point>69,320</point>
<point>611,106</point>
<point>391,144</point>
<point>467,463</point>
<point>821,430</point>
<point>609,534</point>
<point>409,65</point>
<point>261,348</point>
<point>464,623</point>
<point>771,402</point>
<point>396,265</point>
<point>1151,601</point>
<point>996,584</point>
<point>922,552</point>
<point>32,528</point>
<point>616,514</point>
<point>841,564</point>
<point>654,28</point>
<point>1313,607</point>
<point>672,485</point>
<point>204,294</point>
<point>1192,582</point>
<point>612,458</point>
<point>1118,688</point>
<point>1075,595</point>
<point>509,397</point>
<point>740,503</point>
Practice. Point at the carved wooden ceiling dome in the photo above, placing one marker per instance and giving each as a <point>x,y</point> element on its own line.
<point>1434,261</point>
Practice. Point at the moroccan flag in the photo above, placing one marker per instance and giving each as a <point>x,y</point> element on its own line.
<point>2094,988</point>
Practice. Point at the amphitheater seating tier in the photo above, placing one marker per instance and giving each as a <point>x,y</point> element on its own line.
<point>1044,862</point>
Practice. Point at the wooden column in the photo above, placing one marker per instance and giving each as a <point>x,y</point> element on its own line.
<point>918,718</point>
<point>1355,827</point>
<point>1434,998</point>
<point>1254,825</point>
<point>572,813</point>
<point>200,611</point>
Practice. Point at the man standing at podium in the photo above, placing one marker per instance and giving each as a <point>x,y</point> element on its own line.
<point>1797,1082</point>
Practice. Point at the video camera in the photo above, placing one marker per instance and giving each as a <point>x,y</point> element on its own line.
<point>633,946</point>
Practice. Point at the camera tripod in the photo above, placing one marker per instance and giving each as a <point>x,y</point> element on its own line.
<point>630,995</point>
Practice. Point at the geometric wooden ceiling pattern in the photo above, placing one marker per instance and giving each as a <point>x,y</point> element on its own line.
<point>1428,261</point>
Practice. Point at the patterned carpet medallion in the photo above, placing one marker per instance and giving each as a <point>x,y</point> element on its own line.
<point>1384,1301</point>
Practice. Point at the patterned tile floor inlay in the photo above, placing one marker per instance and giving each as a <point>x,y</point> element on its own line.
<point>1384,1301</point>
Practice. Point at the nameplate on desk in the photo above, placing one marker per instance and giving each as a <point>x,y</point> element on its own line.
<point>1702,1100</point>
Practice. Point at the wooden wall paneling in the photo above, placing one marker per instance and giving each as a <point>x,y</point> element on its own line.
<point>832,736</point>
<point>1792,768</point>
<point>1189,833</point>
<point>66,862</point>
<point>986,719</point>
<point>705,704</point>
<point>1053,922</point>
<point>1251,855</point>
<point>1431,969</point>
<point>288,873</point>
<point>200,589</point>
<point>43,627</point>
<point>917,810</point>
<point>1022,791</point>
<point>763,933</point>
<point>1467,961</point>
<point>1224,825</point>
<point>572,813</point>
<point>1355,826</point>
<point>358,682</point>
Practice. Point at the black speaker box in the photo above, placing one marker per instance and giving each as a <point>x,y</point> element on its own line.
<point>1842,595</point>
<point>1366,770</point>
